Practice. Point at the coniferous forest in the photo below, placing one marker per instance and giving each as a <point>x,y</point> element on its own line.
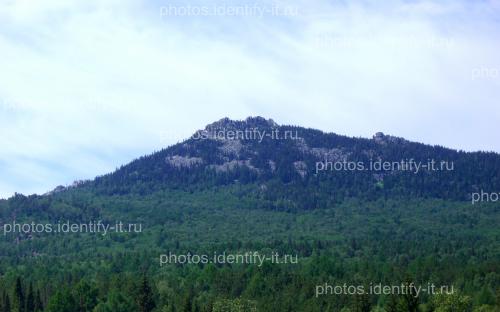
<point>217,195</point>
<point>249,156</point>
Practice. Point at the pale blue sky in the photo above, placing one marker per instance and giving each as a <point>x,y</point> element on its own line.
<point>86,86</point>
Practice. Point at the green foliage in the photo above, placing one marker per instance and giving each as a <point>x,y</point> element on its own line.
<point>5,302</point>
<point>18,303</point>
<point>62,301</point>
<point>38,304</point>
<point>116,302</point>
<point>234,305</point>
<point>345,227</point>
<point>145,299</point>
<point>30,300</point>
<point>452,303</point>
<point>486,308</point>
<point>85,296</point>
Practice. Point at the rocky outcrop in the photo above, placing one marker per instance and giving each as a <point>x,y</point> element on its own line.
<point>183,161</point>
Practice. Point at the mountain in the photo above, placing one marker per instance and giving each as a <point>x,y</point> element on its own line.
<point>353,211</point>
<point>295,159</point>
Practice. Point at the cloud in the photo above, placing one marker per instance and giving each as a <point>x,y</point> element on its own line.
<point>89,85</point>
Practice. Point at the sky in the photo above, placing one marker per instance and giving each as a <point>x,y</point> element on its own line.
<point>88,85</point>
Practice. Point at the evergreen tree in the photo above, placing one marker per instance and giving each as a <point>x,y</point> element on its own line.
<point>86,296</point>
<point>6,303</point>
<point>411,302</point>
<point>38,305</point>
<point>30,300</point>
<point>18,302</point>
<point>145,296</point>
<point>410,299</point>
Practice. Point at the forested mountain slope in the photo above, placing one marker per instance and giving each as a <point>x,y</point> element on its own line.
<point>252,185</point>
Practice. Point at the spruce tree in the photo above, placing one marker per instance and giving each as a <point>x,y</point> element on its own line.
<point>6,303</point>
<point>38,305</point>
<point>2,302</point>
<point>30,300</point>
<point>18,300</point>
<point>145,296</point>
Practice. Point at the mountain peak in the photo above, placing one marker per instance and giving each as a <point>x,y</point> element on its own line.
<point>382,138</point>
<point>249,122</point>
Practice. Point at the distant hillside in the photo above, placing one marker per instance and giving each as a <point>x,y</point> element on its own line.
<point>306,167</point>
